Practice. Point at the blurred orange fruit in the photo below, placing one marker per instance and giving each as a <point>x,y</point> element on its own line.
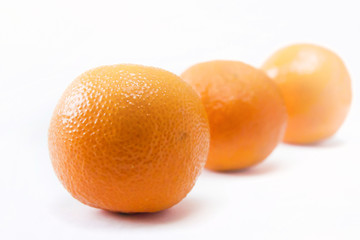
<point>246,112</point>
<point>129,138</point>
<point>316,88</point>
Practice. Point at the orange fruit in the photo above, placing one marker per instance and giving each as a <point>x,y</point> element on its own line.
<point>246,112</point>
<point>129,138</point>
<point>316,88</point>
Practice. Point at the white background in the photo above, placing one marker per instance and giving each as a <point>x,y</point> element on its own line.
<point>299,192</point>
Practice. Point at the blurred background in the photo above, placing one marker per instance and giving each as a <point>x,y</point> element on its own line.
<point>297,193</point>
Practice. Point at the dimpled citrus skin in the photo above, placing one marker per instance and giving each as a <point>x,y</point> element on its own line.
<point>245,109</point>
<point>316,88</point>
<point>129,138</point>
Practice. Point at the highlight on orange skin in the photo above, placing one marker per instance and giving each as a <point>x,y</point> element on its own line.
<point>246,112</point>
<point>316,88</point>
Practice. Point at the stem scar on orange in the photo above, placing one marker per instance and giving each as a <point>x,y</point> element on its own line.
<point>129,138</point>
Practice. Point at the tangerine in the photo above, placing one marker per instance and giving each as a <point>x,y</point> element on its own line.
<point>129,138</point>
<point>316,88</point>
<point>246,112</point>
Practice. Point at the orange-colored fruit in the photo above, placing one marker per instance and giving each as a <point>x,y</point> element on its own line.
<point>129,138</point>
<point>316,88</point>
<point>246,112</point>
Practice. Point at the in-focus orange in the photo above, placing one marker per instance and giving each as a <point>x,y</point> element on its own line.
<point>316,88</point>
<point>129,138</point>
<point>246,112</point>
